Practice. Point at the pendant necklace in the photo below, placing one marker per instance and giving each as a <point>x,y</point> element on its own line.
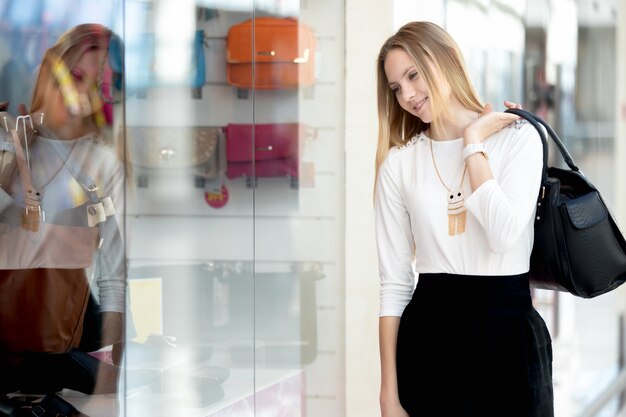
<point>456,209</point>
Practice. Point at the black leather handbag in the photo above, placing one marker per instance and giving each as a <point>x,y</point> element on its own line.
<point>578,246</point>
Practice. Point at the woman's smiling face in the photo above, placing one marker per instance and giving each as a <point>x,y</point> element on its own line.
<point>408,84</point>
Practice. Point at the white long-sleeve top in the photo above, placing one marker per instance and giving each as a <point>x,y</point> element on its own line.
<point>411,212</point>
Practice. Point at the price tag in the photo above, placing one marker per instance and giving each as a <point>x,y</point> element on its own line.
<point>217,200</point>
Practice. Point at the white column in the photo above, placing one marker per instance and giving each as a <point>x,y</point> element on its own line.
<point>368,24</point>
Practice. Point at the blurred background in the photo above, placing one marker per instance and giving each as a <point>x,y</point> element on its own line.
<point>250,128</point>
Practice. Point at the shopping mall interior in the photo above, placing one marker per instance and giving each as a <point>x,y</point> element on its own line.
<point>252,284</point>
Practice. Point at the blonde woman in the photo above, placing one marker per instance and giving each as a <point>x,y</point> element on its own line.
<point>64,223</point>
<point>455,194</point>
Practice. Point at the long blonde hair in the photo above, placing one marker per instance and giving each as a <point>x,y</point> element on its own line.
<point>430,47</point>
<point>69,48</point>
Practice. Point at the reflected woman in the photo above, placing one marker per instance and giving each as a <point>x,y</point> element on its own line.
<point>62,202</point>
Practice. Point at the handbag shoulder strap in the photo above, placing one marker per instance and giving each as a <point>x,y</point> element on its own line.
<point>22,165</point>
<point>93,213</point>
<point>537,122</point>
<point>32,214</point>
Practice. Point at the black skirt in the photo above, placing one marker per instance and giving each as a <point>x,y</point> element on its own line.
<point>474,346</point>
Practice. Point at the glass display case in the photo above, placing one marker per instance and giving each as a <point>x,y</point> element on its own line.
<point>229,117</point>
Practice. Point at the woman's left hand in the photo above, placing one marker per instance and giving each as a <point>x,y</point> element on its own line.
<point>488,123</point>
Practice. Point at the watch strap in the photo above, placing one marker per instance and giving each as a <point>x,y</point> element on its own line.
<point>473,148</point>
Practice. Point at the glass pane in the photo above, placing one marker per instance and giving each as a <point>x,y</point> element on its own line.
<point>224,163</point>
<point>298,108</point>
<point>192,230</point>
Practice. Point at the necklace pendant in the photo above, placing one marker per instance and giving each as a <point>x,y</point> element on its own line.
<point>456,213</point>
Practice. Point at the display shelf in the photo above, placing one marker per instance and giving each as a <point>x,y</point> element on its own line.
<point>278,389</point>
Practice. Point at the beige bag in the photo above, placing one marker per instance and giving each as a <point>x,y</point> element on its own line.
<point>175,147</point>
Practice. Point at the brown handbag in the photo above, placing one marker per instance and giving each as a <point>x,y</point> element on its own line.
<point>42,309</point>
<point>282,54</point>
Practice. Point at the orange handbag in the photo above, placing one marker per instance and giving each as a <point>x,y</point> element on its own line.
<point>283,54</point>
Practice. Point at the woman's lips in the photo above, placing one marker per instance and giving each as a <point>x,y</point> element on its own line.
<point>418,106</point>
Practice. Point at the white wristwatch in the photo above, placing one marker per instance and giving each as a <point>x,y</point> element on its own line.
<point>473,148</point>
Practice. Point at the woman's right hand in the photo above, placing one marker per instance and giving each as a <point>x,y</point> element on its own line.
<point>10,121</point>
<point>488,123</point>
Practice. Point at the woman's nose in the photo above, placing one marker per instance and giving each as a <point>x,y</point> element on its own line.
<point>408,93</point>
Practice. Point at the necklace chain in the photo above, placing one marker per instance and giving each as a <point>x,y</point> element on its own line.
<point>432,154</point>
<point>457,217</point>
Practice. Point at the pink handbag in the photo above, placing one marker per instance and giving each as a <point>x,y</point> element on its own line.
<point>264,150</point>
